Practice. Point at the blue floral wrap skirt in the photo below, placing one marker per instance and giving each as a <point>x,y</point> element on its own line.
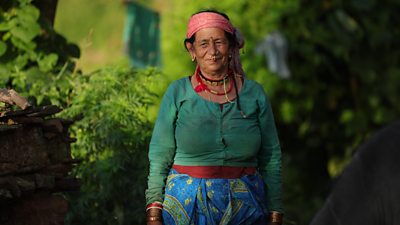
<point>212,201</point>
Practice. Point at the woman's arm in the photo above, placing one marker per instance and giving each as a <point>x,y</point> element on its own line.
<point>162,148</point>
<point>269,158</point>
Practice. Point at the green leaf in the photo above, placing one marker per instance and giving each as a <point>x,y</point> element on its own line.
<point>346,116</point>
<point>287,109</point>
<point>4,26</point>
<point>25,34</point>
<point>20,61</point>
<point>4,75</point>
<point>26,46</point>
<point>28,13</point>
<point>3,48</point>
<point>48,62</point>
<point>24,2</point>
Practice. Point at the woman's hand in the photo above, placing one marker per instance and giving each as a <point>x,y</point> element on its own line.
<point>275,218</point>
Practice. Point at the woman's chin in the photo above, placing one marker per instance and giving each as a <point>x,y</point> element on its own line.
<point>215,66</point>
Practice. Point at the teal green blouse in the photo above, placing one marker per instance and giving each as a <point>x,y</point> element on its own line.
<point>192,131</point>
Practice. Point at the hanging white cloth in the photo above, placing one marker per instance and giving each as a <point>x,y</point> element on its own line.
<point>274,46</point>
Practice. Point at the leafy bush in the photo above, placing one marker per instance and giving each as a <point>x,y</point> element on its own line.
<point>112,142</point>
<point>34,59</point>
<point>114,131</point>
<point>345,86</point>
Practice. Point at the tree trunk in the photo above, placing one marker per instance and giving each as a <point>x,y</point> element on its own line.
<point>47,9</point>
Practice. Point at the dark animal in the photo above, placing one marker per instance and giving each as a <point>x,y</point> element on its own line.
<point>368,190</point>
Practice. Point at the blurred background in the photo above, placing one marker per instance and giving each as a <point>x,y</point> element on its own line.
<point>331,69</point>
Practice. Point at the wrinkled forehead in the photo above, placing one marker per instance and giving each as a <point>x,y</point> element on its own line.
<point>210,33</point>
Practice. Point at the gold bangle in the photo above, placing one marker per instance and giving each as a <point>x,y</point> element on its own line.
<point>153,218</point>
<point>154,212</point>
<point>276,217</point>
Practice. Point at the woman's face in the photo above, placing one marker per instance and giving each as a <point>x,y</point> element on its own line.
<point>211,51</point>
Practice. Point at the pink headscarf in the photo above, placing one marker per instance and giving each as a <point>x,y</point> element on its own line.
<point>210,19</point>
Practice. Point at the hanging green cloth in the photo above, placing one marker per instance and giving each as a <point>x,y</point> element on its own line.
<point>142,36</point>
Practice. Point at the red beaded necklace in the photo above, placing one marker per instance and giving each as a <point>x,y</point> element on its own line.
<point>203,87</point>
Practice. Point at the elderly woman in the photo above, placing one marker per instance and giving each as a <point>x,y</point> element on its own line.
<point>214,155</point>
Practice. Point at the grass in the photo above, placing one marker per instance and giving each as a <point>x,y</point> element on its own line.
<point>97,27</point>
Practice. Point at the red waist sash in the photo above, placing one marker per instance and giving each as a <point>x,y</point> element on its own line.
<point>227,172</point>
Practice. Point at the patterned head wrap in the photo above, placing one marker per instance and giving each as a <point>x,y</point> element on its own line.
<point>210,19</point>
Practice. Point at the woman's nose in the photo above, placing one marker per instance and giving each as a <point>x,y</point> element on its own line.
<point>212,48</point>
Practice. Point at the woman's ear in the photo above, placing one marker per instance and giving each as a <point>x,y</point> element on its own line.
<point>189,47</point>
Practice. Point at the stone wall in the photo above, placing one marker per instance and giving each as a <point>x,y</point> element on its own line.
<point>35,161</point>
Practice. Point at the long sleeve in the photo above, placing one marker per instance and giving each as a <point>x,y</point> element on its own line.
<point>177,137</point>
<point>162,148</point>
<point>269,157</point>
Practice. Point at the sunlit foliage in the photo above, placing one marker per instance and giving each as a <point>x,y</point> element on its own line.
<point>34,59</point>
<point>112,142</point>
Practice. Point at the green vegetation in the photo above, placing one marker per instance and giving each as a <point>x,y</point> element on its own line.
<point>112,140</point>
<point>34,60</point>
<point>344,85</point>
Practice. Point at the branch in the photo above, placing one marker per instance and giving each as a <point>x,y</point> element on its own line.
<point>13,98</point>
